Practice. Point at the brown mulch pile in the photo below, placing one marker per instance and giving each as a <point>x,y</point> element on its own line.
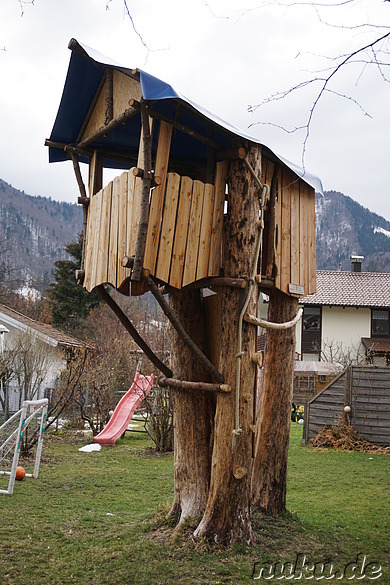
<point>343,436</point>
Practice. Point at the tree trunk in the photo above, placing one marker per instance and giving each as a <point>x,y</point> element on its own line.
<point>193,412</point>
<point>227,516</point>
<point>273,431</point>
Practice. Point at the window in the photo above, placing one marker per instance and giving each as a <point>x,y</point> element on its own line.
<point>380,322</point>
<point>311,330</point>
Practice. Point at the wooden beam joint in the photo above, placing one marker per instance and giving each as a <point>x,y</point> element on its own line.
<point>155,181</point>
<point>83,201</point>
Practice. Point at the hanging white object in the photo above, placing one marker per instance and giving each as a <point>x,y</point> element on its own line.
<point>270,325</point>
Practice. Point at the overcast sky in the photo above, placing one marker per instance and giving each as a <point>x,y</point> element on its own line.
<point>226,55</point>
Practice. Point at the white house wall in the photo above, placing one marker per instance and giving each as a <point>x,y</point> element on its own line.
<point>342,327</point>
<point>56,362</point>
<point>345,326</point>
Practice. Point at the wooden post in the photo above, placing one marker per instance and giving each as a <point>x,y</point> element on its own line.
<point>273,427</point>
<point>193,413</point>
<point>227,515</point>
<point>348,395</point>
<point>147,181</point>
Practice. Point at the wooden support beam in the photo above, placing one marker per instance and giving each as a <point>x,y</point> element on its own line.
<point>264,282</point>
<point>133,332</point>
<point>68,148</point>
<point>183,128</point>
<point>83,195</point>
<point>117,156</point>
<point>121,119</point>
<point>210,282</point>
<point>184,385</point>
<point>109,97</point>
<point>79,178</point>
<point>270,260</point>
<point>147,183</point>
<point>219,282</point>
<point>231,154</point>
<point>201,357</point>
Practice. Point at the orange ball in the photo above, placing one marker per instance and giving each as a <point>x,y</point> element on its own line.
<point>20,473</point>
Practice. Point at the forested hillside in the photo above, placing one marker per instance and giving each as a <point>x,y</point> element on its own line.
<point>343,227</point>
<point>33,233</point>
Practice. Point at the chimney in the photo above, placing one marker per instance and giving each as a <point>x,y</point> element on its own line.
<point>356,263</point>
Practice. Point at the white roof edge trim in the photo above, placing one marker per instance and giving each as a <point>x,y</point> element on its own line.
<point>23,327</point>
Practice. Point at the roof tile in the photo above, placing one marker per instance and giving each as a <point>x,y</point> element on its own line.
<point>59,336</point>
<point>355,289</point>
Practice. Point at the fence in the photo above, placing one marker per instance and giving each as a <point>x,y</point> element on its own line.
<point>366,389</point>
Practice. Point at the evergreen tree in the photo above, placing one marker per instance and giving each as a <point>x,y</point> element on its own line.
<point>70,302</point>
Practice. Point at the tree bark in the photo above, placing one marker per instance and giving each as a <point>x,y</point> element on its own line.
<point>272,440</point>
<point>227,517</point>
<point>193,412</point>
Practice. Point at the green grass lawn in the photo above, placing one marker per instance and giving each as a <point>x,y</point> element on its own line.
<point>99,518</point>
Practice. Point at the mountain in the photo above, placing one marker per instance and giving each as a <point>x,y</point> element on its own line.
<point>343,227</point>
<point>33,233</point>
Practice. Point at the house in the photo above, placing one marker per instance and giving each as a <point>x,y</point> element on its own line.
<point>32,356</point>
<point>346,322</point>
<point>348,319</point>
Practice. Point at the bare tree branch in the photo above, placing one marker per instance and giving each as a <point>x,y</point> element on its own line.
<point>374,48</point>
<point>22,4</point>
<point>212,11</point>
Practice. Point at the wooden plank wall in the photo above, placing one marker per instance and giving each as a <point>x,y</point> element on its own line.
<point>370,404</point>
<point>110,232</point>
<point>189,220</point>
<point>295,246</point>
<point>124,89</point>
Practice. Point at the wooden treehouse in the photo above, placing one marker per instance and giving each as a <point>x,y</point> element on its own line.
<point>210,216</point>
<point>158,225</point>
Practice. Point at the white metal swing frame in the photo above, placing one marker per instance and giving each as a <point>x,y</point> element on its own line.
<point>39,409</point>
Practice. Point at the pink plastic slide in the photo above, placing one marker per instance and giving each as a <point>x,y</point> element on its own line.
<point>124,410</point>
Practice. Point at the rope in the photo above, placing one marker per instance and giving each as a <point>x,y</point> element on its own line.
<point>264,196</point>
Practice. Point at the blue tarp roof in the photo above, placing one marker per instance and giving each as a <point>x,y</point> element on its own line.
<point>85,72</point>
